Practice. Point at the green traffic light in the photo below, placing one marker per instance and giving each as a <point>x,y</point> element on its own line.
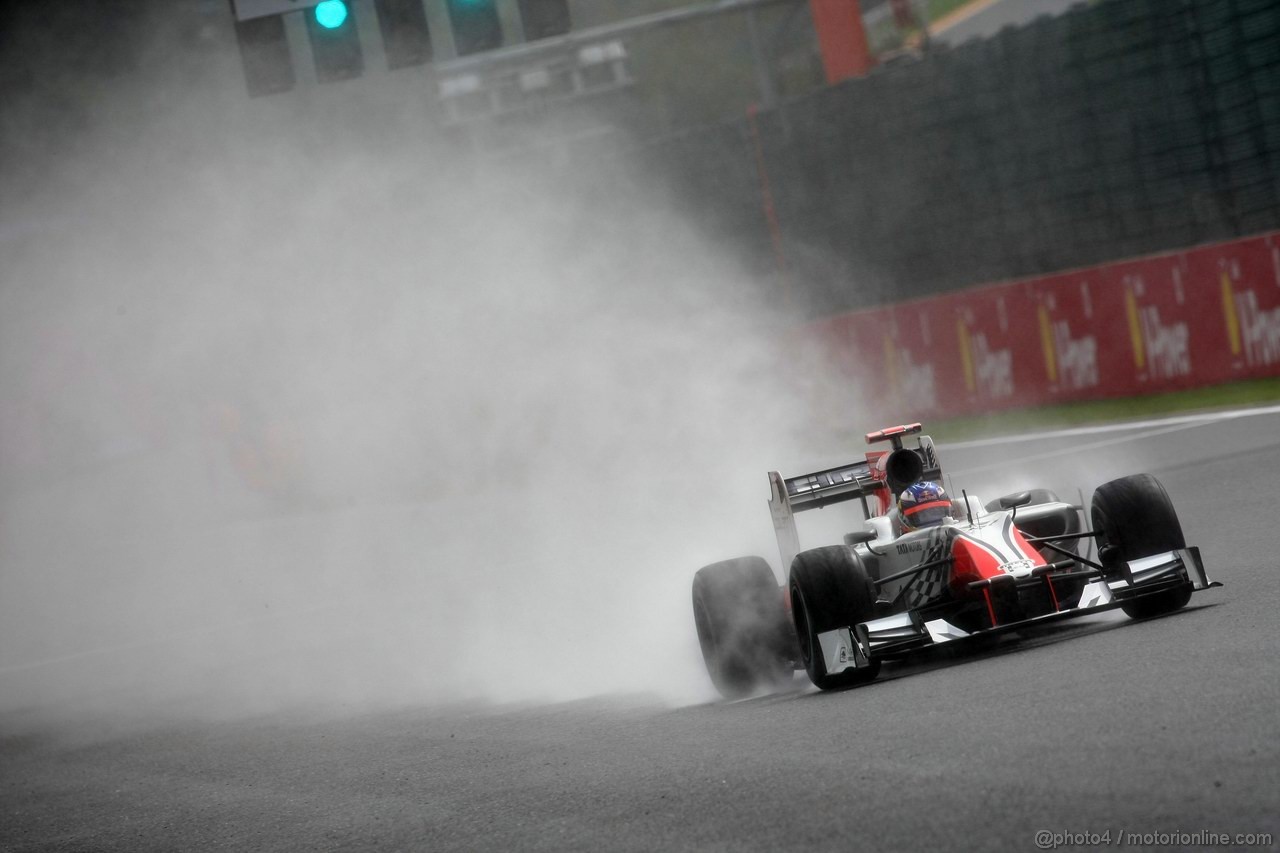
<point>331,14</point>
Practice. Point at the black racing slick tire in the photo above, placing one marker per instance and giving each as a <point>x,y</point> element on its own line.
<point>1133,517</point>
<point>742,626</point>
<point>830,589</point>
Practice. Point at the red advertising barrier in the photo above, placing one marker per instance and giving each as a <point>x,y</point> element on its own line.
<point>1161,323</point>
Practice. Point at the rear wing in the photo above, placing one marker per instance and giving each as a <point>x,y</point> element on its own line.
<point>834,485</point>
<point>853,481</point>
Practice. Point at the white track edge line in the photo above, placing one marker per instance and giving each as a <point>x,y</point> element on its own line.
<point>1224,415</point>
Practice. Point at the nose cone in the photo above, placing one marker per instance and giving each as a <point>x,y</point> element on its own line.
<point>990,552</point>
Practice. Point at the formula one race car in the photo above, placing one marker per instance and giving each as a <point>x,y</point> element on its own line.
<point>891,590</point>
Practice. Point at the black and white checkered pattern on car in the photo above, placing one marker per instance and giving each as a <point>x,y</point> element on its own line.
<point>927,586</point>
<point>931,583</point>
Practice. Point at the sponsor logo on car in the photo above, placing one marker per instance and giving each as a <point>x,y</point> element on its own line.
<point>1018,567</point>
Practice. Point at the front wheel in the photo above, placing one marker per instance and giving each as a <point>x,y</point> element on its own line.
<point>1134,517</point>
<point>830,590</point>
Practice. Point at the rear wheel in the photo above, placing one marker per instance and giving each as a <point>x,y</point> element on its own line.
<point>1134,518</point>
<point>742,627</point>
<point>829,590</point>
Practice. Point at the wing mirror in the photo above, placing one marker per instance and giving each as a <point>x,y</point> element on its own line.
<point>1015,501</point>
<point>859,537</point>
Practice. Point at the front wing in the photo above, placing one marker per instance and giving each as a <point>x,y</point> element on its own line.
<point>857,646</point>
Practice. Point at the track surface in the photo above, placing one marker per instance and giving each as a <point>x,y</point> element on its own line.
<point>1103,724</point>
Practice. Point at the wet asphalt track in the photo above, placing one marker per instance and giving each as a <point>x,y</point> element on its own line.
<point>1102,724</point>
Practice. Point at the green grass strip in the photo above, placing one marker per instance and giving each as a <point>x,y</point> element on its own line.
<point>1255,392</point>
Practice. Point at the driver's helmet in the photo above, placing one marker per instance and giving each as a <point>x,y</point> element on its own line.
<point>923,504</point>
